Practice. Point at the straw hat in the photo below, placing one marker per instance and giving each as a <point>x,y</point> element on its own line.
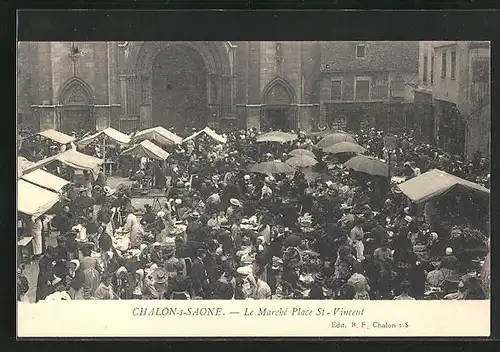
<point>235,202</point>
<point>245,270</point>
<point>160,214</point>
<point>159,276</point>
<point>109,191</point>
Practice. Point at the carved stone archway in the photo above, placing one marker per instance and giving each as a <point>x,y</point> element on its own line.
<point>279,108</point>
<point>75,106</point>
<point>136,78</point>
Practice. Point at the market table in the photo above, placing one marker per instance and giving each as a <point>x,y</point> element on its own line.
<point>154,194</point>
<point>25,244</point>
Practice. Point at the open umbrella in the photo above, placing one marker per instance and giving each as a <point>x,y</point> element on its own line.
<point>276,136</point>
<point>344,147</point>
<point>271,167</point>
<point>335,138</point>
<point>368,165</point>
<point>301,161</point>
<point>324,133</point>
<point>301,152</point>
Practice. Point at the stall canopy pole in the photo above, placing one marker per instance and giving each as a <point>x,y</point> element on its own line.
<point>104,153</point>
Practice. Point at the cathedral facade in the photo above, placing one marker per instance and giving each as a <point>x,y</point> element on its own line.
<point>189,85</point>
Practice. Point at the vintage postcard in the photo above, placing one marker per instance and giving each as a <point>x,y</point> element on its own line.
<point>317,188</point>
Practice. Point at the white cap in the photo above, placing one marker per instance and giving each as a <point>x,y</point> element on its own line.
<point>449,251</point>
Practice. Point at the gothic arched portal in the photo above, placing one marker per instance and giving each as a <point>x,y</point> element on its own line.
<point>76,99</point>
<point>179,89</point>
<point>278,100</point>
<point>183,85</point>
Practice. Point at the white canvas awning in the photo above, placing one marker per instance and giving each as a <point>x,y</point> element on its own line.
<point>22,165</point>
<point>111,133</point>
<point>157,134</point>
<point>73,159</point>
<point>147,149</point>
<point>209,132</point>
<point>57,136</point>
<point>435,182</point>
<point>33,200</point>
<point>46,180</point>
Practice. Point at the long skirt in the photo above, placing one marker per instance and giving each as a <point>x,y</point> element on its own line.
<point>37,243</point>
<point>95,210</point>
<point>76,294</point>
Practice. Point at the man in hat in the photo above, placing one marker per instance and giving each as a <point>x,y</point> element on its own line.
<point>72,244</point>
<point>45,275</point>
<point>63,220</point>
<point>180,286</point>
<point>199,275</point>
<point>148,217</point>
<point>101,178</point>
<point>82,204</point>
<point>235,205</point>
<point>105,289</point>
<point>194,228</point>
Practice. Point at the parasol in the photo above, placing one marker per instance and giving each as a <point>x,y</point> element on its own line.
<point>324,133</point>
<point>368,165</point>
<point>276,136</point>
<point>344,147</point>
<point>302,152</point>
<point>271,167</point>
<point>301,161</point>
<point>335,138</point>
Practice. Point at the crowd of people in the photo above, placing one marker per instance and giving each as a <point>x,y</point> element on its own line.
<point>224,232</point>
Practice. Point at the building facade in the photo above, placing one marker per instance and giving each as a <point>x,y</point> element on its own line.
<point>226,85</point>
<point>361,82</point>
<point>454,82</point>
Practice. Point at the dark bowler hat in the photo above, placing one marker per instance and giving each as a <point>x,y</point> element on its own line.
<point>71,234</point>
<point>86,245</point>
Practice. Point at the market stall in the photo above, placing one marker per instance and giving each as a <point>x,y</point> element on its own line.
<point>72,159</point>
<point>111,133</point>
<point>434,183</point>
<point>208,132</point>
<point>105,144</point>
<point>46,180</point>
<point>33,200</point>
<point>157,134</point>
<point>452,203</point>
<point>57,136</point>
<point>22,165</point>
<point>147,149</point>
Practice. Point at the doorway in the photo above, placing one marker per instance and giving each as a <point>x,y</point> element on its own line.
<point>179,89</point>
<point>277,118</point>
<point>354,121</point>
<point>76,118</point>
<point>76,113</point>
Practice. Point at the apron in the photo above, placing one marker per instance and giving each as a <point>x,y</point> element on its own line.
<point>37,237</point>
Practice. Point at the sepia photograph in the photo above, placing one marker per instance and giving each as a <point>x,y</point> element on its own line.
<point>253,170</point>
<point>316,176</point>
